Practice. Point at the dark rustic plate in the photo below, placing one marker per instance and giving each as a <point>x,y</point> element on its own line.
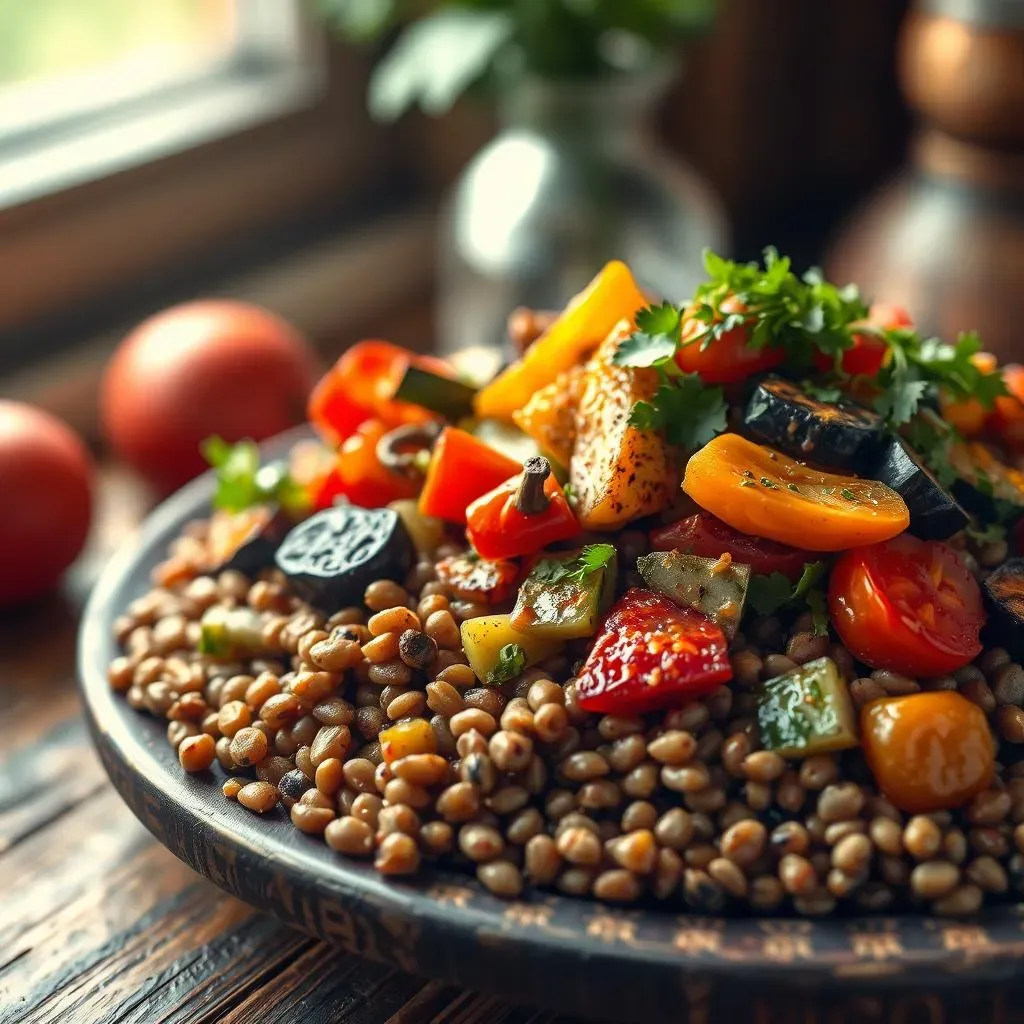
<point>573,955</point>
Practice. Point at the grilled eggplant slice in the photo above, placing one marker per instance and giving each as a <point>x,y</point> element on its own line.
<point>447,396</point>
<point>1004,595</point>
<point>246,540</point>
<point>832,435</point>
<point>934,513</point>
<point>332,557</point>
<point>987,486</point>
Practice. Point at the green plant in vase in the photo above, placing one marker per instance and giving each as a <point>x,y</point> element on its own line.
<point>572,179</point>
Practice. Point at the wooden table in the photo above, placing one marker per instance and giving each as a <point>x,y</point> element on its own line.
<point>99,923</point>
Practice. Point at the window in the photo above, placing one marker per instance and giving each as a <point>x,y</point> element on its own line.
<point>141,139</point>
<point>90,87</point>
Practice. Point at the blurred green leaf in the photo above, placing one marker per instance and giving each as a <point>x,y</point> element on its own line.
<point>437,59</point>
<point>358,20</point>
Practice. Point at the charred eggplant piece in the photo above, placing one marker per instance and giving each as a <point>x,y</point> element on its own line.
<point>987,486</point>
<point>934,513</point>
<point>447,396</point>
<point>1004,595</point>
<point>833,435</point>
<point>246,540</point>
<point>333,556</point>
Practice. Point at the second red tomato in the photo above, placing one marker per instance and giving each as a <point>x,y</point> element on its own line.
<point>907,605</point>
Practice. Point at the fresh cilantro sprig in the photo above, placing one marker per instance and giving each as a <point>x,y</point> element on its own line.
<point>243,482</point>
<point>932,438</point>
<point>768,594</point>
<point>917,367</point>
<point>592,558</point>
<point>511,662</point>
<point>687,411</point>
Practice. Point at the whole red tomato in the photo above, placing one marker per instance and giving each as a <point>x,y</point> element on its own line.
<point>46,481</point>
<point>208,367</point>
<point>907,605</point>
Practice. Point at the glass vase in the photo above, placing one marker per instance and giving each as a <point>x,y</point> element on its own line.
<point>573,179</point>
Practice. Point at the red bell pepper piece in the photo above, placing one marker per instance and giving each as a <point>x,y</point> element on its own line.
<point>354,472</point>
<point>461,469</point>
<point>478,579</point>
<point>522,515</point>
<point>361,386</point>
<point>652,654</point>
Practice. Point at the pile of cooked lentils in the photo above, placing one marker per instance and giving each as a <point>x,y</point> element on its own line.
<point>517,784</point>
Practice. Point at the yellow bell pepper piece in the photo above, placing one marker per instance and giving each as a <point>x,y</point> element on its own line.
<point>612,296</point>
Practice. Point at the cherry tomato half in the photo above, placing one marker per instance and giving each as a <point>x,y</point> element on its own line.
<point>710,537</point>
<point>727,359</point>
<point>907,605</point>
<point>1007,419</point>
<point>649,654</point>
<point>867,355</point>
<point>928,751</point>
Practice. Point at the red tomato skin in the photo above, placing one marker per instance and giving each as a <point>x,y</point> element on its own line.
<point>727,360</point>
<point>1007,418</point>
<point>867,355</point>
<point>708,536</point>
<point>208,367</point>
<point>636,664</point>
<point>46,478</point>
<point>860,600</point>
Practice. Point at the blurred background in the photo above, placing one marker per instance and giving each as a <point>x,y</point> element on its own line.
<point>413,170</point>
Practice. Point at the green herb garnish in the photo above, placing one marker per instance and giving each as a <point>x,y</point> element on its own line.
<point>687,411</point>
<point>772,593</point>
<point>847,494</point>
<point>993,533</point>
<point>593,558</point>
<point>242,482</point>
<point>511,662</point>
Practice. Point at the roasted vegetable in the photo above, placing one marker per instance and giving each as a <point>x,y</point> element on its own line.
<point>617,471</point>
<point>470,578</point>
<point>759,491</point>
<point>230,633</point>
<point>928,751</point>
<point>707,535</point>
<point>934,513</point>
<point>612,296</point>
<point>361,386</point>
<point>405,739</point>
<point>245,540</point>
<point>461,469</point>
<point>521,516</point>
<point>497,653</point>
<point>332,557</point>
<point>716,587</point>
<point>987,486</point>
<point>807,711</point>
<point>426,532</point>
<point>650,654</point>
<point>837,435</point>
<point>549,417</point>
<point>1004,594</point>
<point>565,594</point>
<point>444,393</point>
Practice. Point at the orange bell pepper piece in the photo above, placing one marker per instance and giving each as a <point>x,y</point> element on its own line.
<point>612,296</point>
<point>462,468</point>
<point>361,386</point>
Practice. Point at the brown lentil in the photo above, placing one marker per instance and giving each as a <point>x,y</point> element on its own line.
<point>922,837</point>
<point>258,797</point>
<point>197,753</point>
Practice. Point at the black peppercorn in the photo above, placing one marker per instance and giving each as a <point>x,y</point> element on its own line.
<point>417,649</point>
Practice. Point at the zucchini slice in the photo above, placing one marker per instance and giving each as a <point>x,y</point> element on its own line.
<point>832,435</point>
<point>807,711</point>
<point>716,587</point>
<point>934,513</point>
<point>447,396</point>
<point>1004,594</point>
<point>987,486</point>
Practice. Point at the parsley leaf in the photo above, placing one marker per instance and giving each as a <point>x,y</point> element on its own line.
<point>242,482</point>
<point>511,662</point>
<point>770,594</point>
<point>931,439</point>
<point>689,412</point>
<point>593,558</point>
<point>821,393</point>
<point>655,340</point>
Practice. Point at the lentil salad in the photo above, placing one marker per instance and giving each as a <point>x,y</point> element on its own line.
<point>688,604</point>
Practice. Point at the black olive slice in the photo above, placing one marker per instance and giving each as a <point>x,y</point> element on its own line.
<point>333,556</point>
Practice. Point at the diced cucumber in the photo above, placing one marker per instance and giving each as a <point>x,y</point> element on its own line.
<point>559,601</point>
<point>807,711</point>
<point>717,587</point>
<point>229,633</point>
